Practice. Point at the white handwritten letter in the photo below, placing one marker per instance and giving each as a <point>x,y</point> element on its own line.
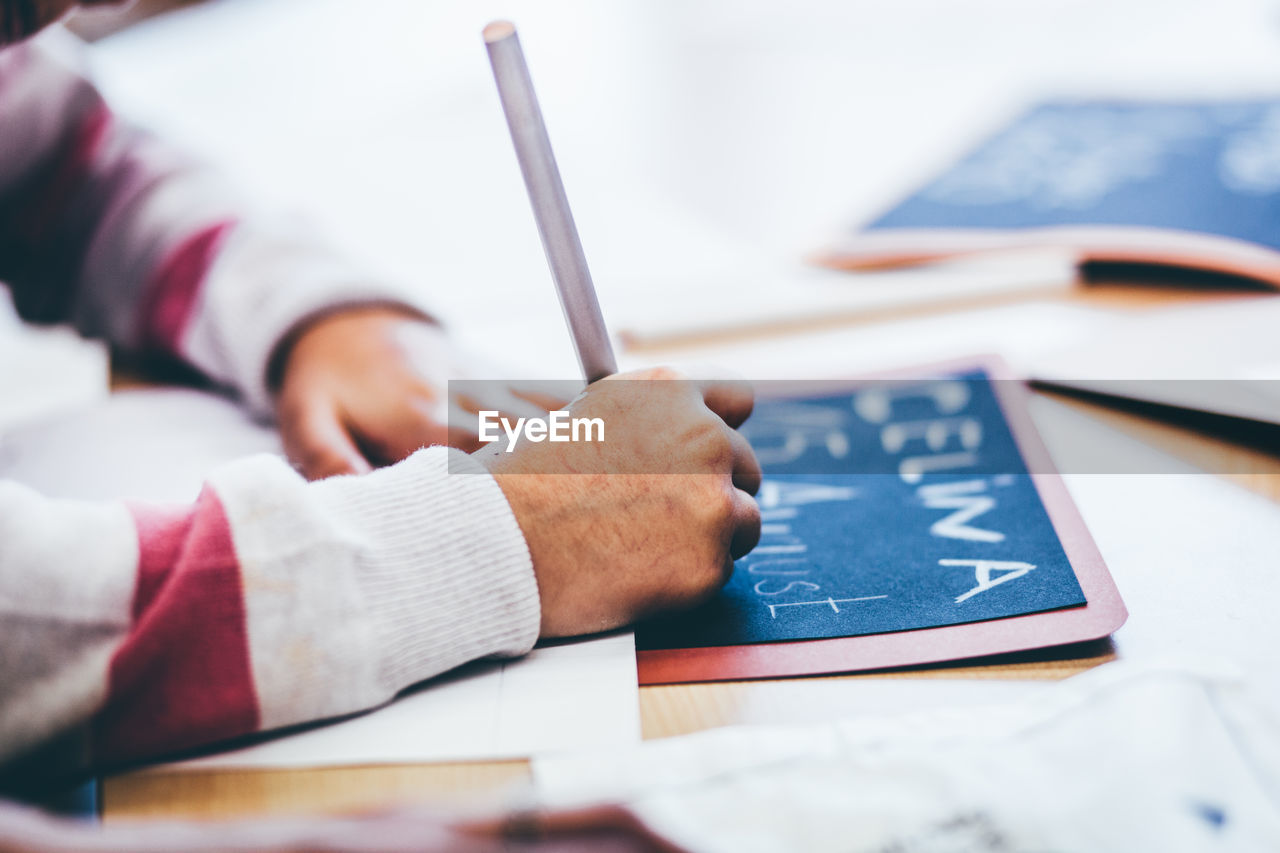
<point>982,570</point>
<point>967,506</point>
<point>875,405</point>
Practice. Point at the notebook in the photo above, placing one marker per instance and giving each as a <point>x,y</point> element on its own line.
<point>906,520</point>
<point>1189,184</point>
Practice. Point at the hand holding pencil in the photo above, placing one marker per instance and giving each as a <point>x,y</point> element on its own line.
<point>662,507</point>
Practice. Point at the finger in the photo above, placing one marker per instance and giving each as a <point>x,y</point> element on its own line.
<point>464,428</point>
<point>406,429</point>
<point>319,445</point>
<point>731,399</point>
<point>746,524</point>
<point>746,467</point>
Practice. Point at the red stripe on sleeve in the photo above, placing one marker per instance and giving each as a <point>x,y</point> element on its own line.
<point>169,298</point>
<point>183,677</point>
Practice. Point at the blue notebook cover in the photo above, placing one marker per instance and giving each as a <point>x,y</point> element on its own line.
<point>1182,183</point>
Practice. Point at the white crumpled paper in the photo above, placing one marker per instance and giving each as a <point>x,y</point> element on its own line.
<point>1122,758</point>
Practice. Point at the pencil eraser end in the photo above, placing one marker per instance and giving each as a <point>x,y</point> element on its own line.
<point>498,30</point>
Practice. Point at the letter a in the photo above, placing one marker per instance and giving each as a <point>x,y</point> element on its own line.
<point>982,570</point>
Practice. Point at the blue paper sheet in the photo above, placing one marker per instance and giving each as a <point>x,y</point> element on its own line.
<point>889,508</point>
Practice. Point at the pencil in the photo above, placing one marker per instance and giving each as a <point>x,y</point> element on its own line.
<point>550,206</point>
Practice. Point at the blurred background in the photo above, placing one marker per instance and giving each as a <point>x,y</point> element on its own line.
<point>699,141</point>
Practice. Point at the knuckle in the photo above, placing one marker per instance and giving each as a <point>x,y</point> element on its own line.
<point>717,504</point>
<point>662,373</point>
<point>714,441</point>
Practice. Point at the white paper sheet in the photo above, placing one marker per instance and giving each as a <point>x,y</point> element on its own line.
<point>1222,358</point>
<point>755,299</point>
<point>1019,333</point>
<point>1193,555</point>
<point>160,445</point>
<point>576,696</point>
<point>1167,756</point>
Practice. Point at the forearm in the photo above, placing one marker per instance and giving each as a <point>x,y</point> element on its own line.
<point>106,227</point>
<point>91,209</point>
<point>269,602</point>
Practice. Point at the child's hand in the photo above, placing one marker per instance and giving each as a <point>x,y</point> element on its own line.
<point>367,387</point>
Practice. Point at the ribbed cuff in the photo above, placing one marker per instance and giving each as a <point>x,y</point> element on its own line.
<point>445,574</point>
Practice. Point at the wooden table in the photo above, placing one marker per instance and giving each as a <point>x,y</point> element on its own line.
<point>676,709</point>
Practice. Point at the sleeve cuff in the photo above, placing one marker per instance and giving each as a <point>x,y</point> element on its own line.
<point>358,587</point>
<point>445,573</point>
